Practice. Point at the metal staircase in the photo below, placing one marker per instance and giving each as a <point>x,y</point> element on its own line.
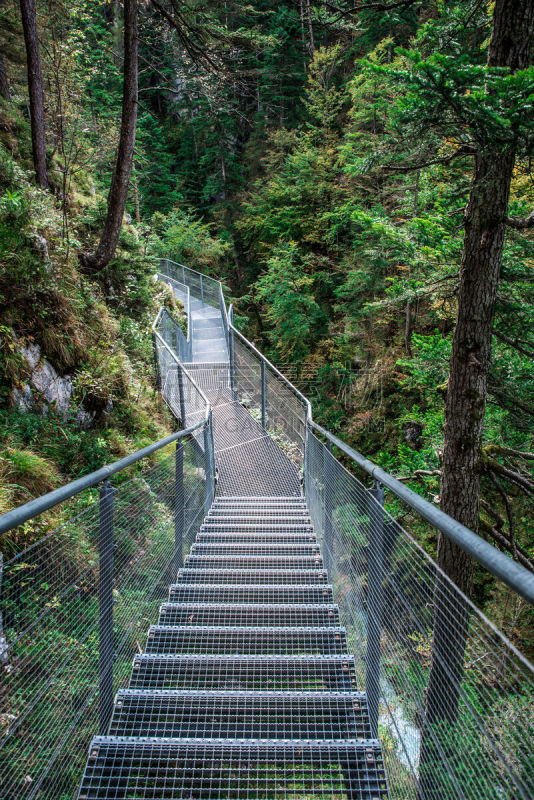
<point>246,687</point>
<point>302,620</point>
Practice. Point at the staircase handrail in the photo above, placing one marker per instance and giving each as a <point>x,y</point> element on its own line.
<point>17,516</point>
<point>514,575</point>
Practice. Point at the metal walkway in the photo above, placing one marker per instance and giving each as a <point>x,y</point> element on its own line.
<point>245,688</point>
<point>248,461</point>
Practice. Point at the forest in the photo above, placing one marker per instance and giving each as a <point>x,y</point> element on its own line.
<point>358,174</point>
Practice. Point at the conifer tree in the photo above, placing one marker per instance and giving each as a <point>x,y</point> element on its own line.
<point>94,262</point>
<point>35,90</point>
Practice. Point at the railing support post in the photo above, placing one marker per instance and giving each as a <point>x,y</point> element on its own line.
<point>208,464</point>
<point>177,342</point>
<point>105,603</point>
<point>328,508</point>
<point>201,288</point>
<point>180,378</point>
<point>231,351</point>
<point>179,508</point>
<point>263,397</point>
<point>156,360</point>
<point>375,569</point>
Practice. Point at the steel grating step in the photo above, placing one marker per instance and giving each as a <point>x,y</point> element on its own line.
<point>287,499</point>
<point>260,562</point>
<point>245,640</point>
<point>262,576</point>
<point>232,549</point>
<point>234,614</point>
<point>249,593</point>
<point>284,673</point>
<point>260,510</point>
<point>241,714</point>
<point>228,537</point>
<point>257,518</point>
<point>204,769</point>
<point>255,527</point>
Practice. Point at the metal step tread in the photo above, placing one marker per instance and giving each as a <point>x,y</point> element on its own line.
<point>250,513</point>
<point>233,549</point>
<point>240,714</point>
<point>256,671</point>
<point>299,517</point>
<point>259,562</point>
<point>228,537</point>
<point>250,593</point>
<point>257,614</point>
<point>179,769</point>
<point>229,498</point>
<point>245,527</point>
<point>245,639</point>
<point>259,576</point>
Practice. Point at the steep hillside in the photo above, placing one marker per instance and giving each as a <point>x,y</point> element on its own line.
<point>77,384</point>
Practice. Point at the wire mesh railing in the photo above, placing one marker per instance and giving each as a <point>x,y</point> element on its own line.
<point>259,387</point>
<point>450,698</point>
<point>256,383</point>
<point>448,695</point>
<point>206,289</point>
<point>171,331</point>
<point>76,605</point>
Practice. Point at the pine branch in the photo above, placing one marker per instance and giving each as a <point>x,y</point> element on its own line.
<point>521,223</point>
<point>341,13</point>
<point>464,150</point>
<point>515,343</point>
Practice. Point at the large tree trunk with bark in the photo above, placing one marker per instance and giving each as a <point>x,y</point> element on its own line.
<point>485,219</point>
<point>35,90</point>
<point>94,262</point>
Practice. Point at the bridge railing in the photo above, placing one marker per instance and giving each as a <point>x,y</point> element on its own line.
<point>450,697</point>
<point>448,694</point>
<point>76,603</point>
<point>170,329</point>
<point>283,411</point>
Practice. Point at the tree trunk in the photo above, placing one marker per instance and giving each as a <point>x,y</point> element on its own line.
<point>510,46</point>
<point>94,262</point>
<point>4,81</point>
<point>35,90</point>
<point>310,27</point>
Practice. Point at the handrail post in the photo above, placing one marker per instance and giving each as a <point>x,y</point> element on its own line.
<point>156,361</point>
<point>177,340</point>
<point>231,351</point>
<point>105,606</point>
<point>201,288</point>
<point>180,379</point>
<point>263,397</point>
<point>328,508</point>
<point>208,464</point>
<point>305,461</point>
<point>179,508</point>
<point>375,570</point>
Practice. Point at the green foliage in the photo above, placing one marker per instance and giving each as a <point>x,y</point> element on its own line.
<point>289,304</point>
<point>186,239</point>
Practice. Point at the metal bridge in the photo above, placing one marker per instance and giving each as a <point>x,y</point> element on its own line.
<point>307,646</point>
